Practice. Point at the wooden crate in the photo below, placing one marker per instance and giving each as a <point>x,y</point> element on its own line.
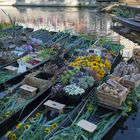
<point>126,83</point>
<point>111,100</point>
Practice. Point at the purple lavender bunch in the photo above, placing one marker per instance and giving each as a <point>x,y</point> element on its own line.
<point>28,48</point>
<point>57,90</point>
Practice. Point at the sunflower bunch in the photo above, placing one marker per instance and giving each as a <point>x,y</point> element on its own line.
<point>93,63</point>
<point>35,127</point>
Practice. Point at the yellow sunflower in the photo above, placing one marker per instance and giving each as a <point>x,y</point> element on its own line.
<point>47,130</point>
<point>78,58</point>
<point>13,137</point>
<point>26,126</point>
<point>101,73</point>
<point>91,57</point>
<point>97,59</point>
<point>54,125</point>
<point>108,64</point>
<point>94,63</point>
<point>94,68</point>
<point>83,63</point>
<point>74,64</point>
<point>18,126</point>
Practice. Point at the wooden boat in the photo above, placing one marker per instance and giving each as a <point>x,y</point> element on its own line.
<point>47,116</point>
<point>26,95</point>
<point>134,37</point>
<point>127,23</point>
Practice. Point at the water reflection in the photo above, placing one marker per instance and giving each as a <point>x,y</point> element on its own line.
<point>79,20</point>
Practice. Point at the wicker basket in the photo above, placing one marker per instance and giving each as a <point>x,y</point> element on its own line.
<point>110,99</point>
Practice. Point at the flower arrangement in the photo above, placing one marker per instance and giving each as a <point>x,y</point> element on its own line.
<point>37,126</point>
<point>93,63</point>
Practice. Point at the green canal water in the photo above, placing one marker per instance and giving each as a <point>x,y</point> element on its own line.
<point>83,21</point>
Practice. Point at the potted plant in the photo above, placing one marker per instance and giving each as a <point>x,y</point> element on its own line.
<point>73,93</point>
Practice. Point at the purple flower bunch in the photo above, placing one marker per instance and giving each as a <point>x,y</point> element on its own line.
<point>28,48</point>
<point>36,41</point>
<point>57,90</point>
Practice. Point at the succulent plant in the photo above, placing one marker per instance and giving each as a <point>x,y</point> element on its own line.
<point>73,89</point>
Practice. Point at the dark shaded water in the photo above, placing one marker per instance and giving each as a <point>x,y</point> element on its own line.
<point>82,21</point>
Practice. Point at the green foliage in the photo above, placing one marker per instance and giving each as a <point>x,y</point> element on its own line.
<point>124,12</point>
<point>131,102</point>
<point>45,53</point>
<point>67,75</point>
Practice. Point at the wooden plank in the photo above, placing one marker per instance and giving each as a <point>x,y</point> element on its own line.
<point>86,125</point>
<point>11,68</point>
<point>28,88</point>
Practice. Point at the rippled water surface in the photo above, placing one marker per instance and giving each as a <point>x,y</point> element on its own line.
<point>85,21</point>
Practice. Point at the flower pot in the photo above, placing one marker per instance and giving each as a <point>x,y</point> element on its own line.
<point>73,99</point>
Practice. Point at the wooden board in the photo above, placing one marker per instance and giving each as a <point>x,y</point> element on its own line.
<point>86,125</point>
<point>28,88</point>
<point>11,68</point>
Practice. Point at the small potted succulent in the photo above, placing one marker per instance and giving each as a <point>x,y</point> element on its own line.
<point>73,93</point>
